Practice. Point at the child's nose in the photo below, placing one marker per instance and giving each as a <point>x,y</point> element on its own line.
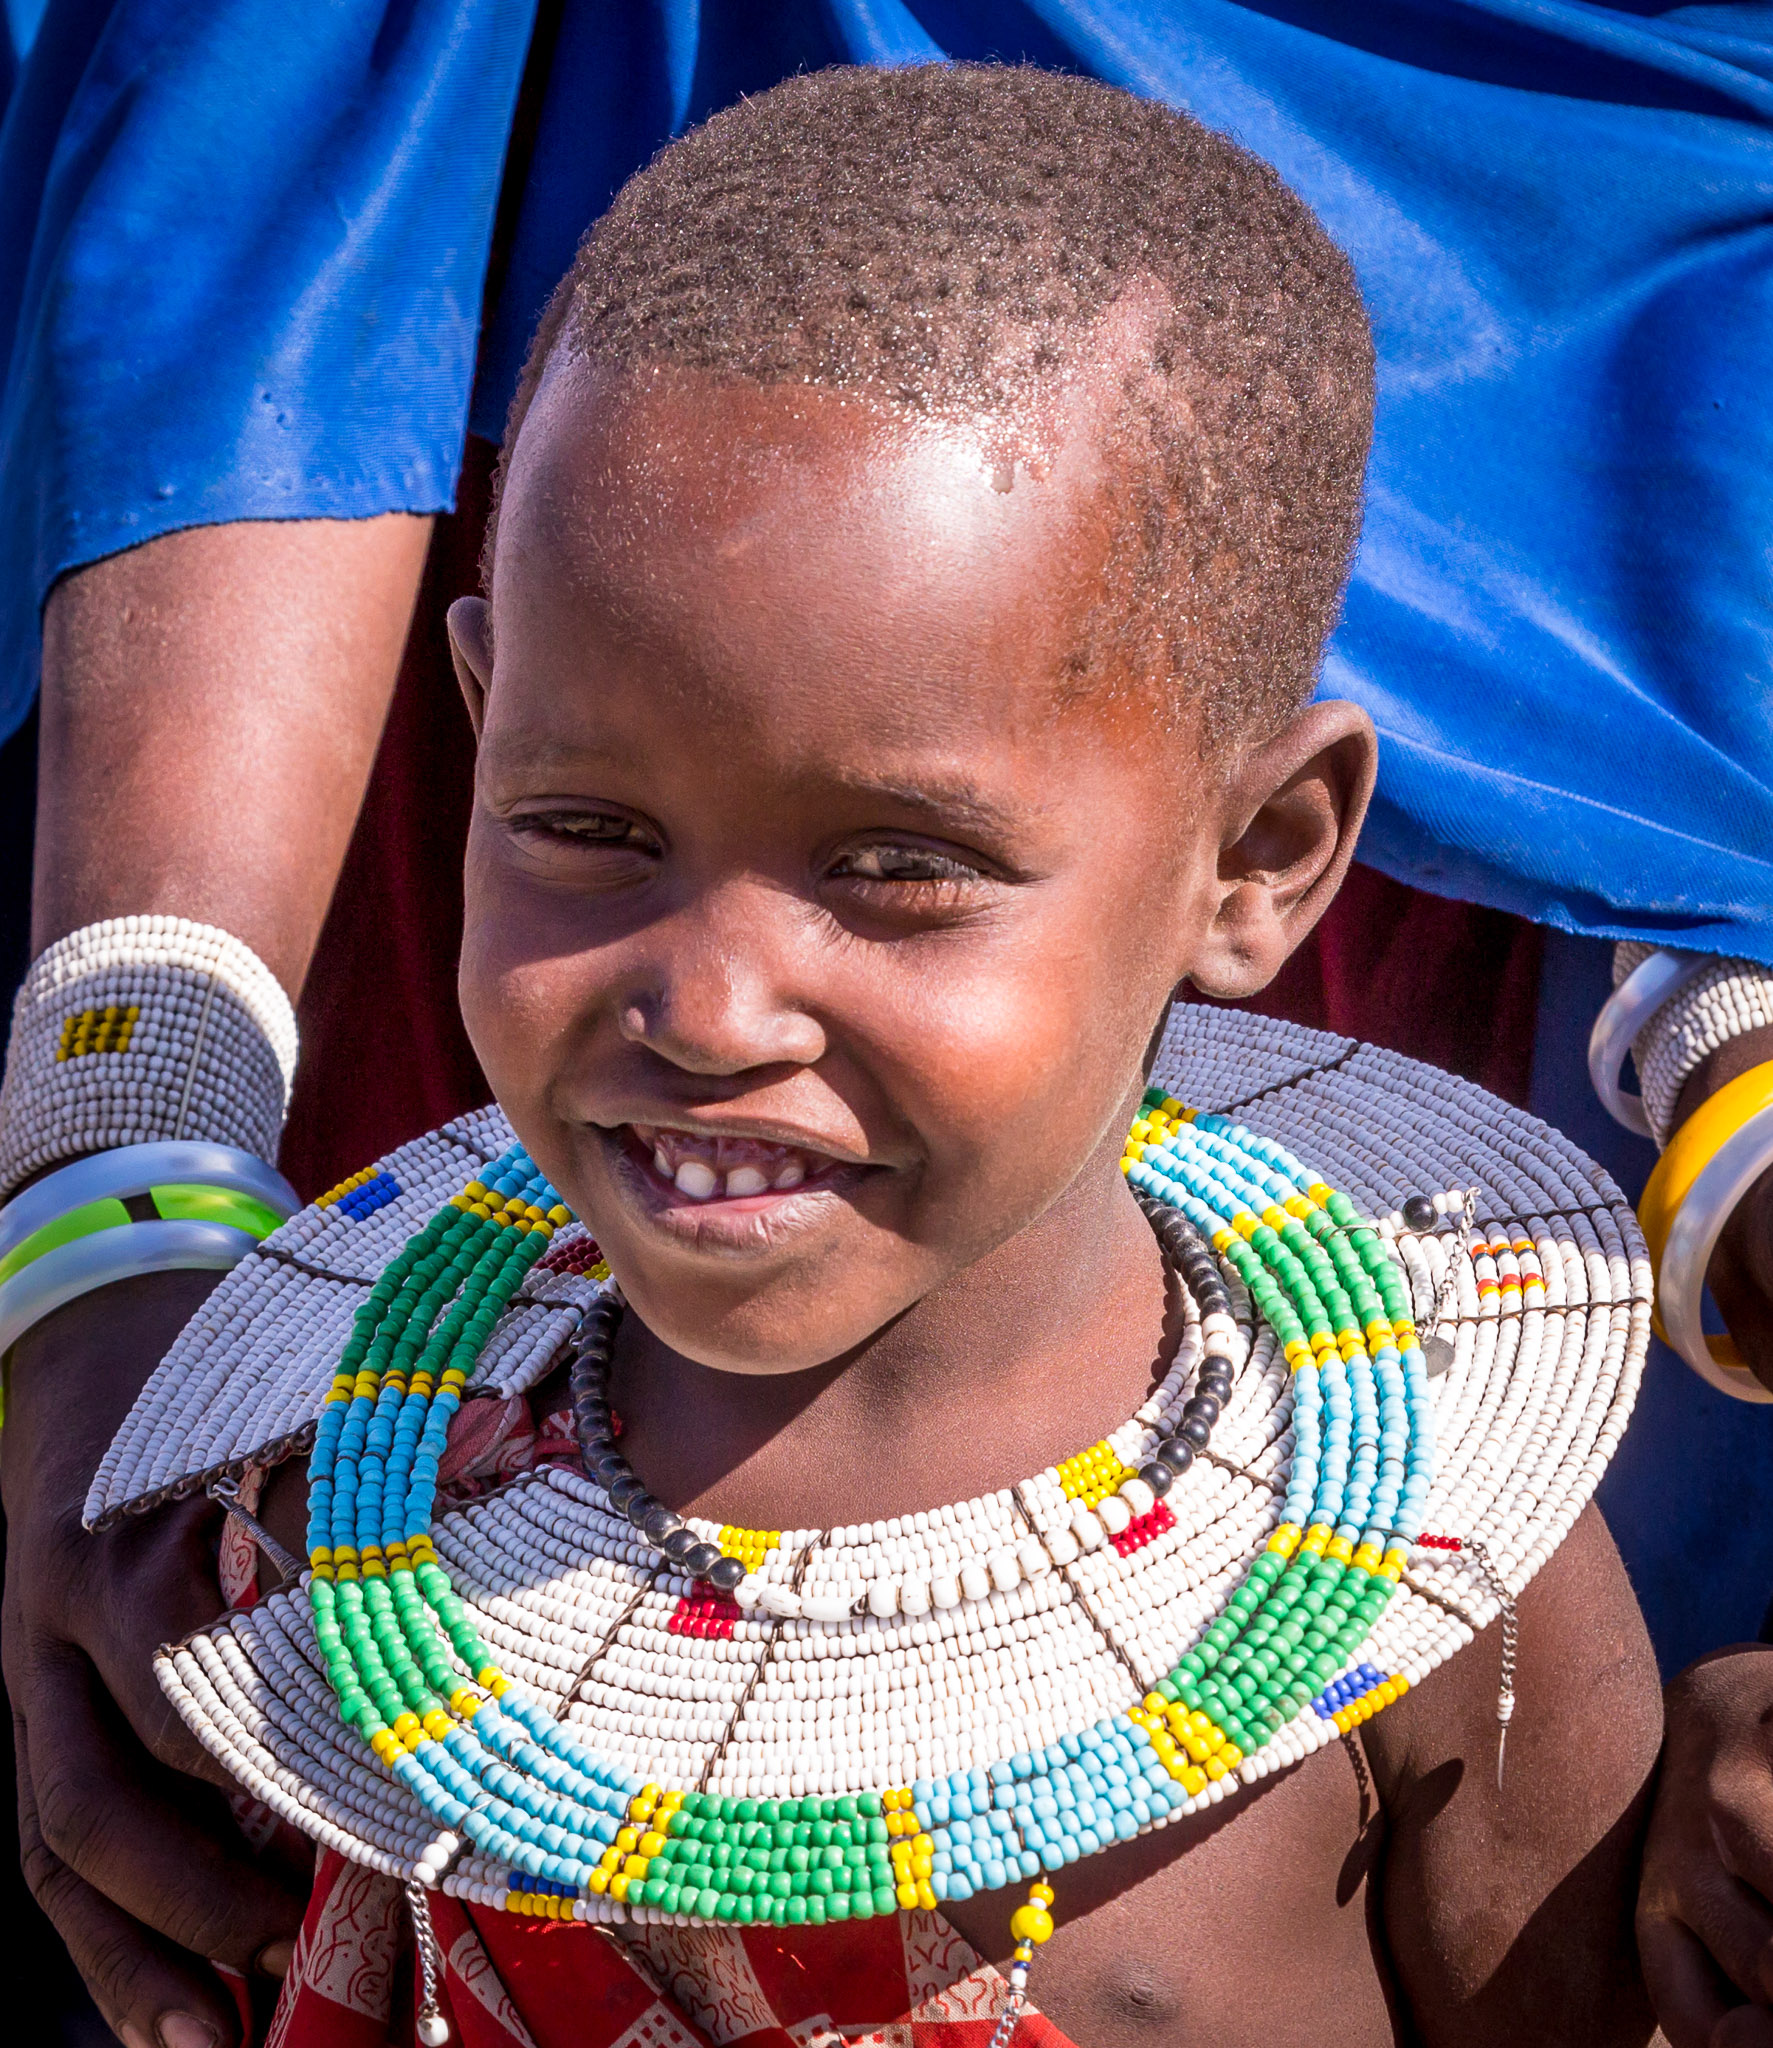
<point>716,995</point>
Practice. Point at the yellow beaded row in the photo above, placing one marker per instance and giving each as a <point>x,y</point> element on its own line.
<point>628,1859</point>
<point>107,1030</point>
<point>1192,1747</point>
<point>1093,1475</point>
<point>1154,1127</point>
<point>911,1852</point>
<point>510,1213</point>
<point>750,1546</point>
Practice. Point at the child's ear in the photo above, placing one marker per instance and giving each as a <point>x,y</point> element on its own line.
<point>1295,808</point>
<point>470,648</point>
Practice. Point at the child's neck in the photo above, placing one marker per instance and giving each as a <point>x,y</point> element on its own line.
<point>1018,1361</point>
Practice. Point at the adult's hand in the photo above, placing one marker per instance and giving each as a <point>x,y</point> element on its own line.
<point>125,1834</point>
<point>210,710</point>
<point>1705,1909</point>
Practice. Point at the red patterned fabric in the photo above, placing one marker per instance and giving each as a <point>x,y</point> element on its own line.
<point>905,1981</point>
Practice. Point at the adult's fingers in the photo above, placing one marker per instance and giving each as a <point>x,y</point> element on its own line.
<point>1736,1925</point>
<point>1690,1994</point>
<point>1749,2026</point>
<point>147,1989</point>
<point>160,1847</point>
<point>147,1583</point>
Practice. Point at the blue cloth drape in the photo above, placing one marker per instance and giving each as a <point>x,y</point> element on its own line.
<point>242,248</point>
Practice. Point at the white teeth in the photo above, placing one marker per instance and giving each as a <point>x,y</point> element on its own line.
<point>661,1164</point>
<point>697,1179</point>
<point>745,1180</point>
<point>790,1176</point>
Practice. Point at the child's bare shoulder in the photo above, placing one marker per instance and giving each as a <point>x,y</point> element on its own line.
<point>1388,1874</point>
<point>1507,1911</point>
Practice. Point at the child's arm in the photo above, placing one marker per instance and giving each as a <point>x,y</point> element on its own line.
<point>1508,1916</point>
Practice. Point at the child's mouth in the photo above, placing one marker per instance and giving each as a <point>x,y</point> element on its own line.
<point>706,1169</point>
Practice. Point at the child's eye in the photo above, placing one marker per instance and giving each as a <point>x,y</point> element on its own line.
<point>901,863</point>
<point>600,829</point>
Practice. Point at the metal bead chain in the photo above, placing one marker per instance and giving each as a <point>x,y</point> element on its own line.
<point>432,2027</point>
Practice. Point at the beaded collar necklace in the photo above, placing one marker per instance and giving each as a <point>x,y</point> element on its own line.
<point>412,1673</point>
<point>528,1702</point>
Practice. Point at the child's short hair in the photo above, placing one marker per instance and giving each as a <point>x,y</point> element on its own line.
<point>947,237</point>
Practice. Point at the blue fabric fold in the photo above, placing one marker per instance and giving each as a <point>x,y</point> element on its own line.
<point>241,249</point>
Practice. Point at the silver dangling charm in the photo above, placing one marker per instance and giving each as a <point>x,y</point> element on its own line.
<point>1498,1585</point>
<point>226,1495</point>
<point>1437,1350</point>
<point>1012,2013</point>
<point>432,2028</point>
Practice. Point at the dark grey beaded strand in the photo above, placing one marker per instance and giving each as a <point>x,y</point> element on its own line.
<point>1191,1257</point>
<point>1184,1251</point>
<point>664,1528</point>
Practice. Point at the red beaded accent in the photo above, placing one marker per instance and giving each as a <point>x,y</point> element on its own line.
<point>577,1255</point>
<point>1440,1542</point>
<point>708,1615</point>
<point>1137,1534</point>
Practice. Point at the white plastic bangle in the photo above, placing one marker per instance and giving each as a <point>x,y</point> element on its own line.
<point>70,1270</point>
<point>1726,1177</point>
<point>133,1170</point>
<point>1624,1014</point>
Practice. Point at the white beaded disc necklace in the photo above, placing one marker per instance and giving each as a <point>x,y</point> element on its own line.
<point>1061,1693</point>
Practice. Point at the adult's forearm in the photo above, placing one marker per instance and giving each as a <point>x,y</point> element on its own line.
<point>211,706</point>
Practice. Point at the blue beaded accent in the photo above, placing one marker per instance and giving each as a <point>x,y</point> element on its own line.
<point>1351,1686</point>
<point>375,1193</point>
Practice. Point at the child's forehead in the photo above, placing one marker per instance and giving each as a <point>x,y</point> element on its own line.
<point>705,450</point>
<point>792,583</point>
<point>676,507</point>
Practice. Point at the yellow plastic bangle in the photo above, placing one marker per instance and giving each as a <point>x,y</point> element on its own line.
<point>1693,1148</point>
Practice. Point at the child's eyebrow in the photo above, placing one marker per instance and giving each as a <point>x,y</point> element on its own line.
<point>949,803</point>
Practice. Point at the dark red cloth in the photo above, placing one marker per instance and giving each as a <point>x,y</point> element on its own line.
<point>384,1055</point>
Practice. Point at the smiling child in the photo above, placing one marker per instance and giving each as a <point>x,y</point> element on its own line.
<point>919,528</point>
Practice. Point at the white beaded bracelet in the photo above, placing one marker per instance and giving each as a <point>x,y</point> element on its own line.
<point>1656,979</point>
<point>1698,1012</point>
<point>144,1028</point>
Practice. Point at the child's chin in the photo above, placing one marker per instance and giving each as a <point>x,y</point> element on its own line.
<point>791,1324</point>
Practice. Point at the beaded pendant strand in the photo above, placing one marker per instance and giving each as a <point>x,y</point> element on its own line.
<point>495,1769</point>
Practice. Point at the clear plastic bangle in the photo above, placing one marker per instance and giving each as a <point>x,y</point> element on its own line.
<point>134,1170</point>
<point>1727,1176</point>
<point>62,1275</point>
<point>1623,1015</point>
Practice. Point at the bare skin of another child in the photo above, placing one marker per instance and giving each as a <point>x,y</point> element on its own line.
<point>797,839</point>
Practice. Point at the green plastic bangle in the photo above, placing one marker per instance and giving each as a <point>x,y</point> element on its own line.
<point>177,1202</point>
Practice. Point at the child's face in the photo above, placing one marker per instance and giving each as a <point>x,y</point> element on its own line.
<point>815,937</point>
